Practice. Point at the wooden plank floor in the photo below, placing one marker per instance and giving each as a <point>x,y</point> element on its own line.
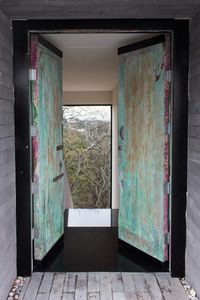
<point>102,286</point>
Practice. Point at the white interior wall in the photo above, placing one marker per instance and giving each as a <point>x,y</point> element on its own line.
<point>115,187</point>
<point>87,97</point>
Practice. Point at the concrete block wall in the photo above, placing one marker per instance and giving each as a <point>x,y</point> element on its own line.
<point>7,162</point>
<point>193,201</point>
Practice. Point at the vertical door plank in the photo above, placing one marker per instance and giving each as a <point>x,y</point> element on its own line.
<point>33,287</point>
<point>81,287</point>
<point>116,282</point>
<point>57,287</point>
<point>46,283</point>
<point>143,148</point>
<point>93,283</point>
<point>105,286</point>
<point>70,283</point>
<point>129,286</point>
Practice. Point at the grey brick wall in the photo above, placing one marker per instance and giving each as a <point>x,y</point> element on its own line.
<point>7,163</point>
<point>193,202</point>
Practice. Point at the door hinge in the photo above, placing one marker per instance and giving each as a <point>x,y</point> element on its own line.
<point>34,130</point>
<point>166,187</point>
<point>35,233</point>
<point>32,74</point>
<point>167,238</point>
<point>168,75</point>
<point>34,188</point>
<point>168,129</point>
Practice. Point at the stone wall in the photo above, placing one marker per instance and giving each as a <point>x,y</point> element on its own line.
<point>7,162</point>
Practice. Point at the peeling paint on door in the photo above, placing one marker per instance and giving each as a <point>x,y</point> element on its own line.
<point>47,164</point>
<point>144,93</point>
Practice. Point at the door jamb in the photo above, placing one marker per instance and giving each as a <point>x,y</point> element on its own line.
<point>180,31</point>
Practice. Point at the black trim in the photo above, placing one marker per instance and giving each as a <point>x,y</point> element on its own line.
<point>142,44</point>
<point>179,149</point>
<point>22,148</point>
<point>49,46</point>
<point>180,29</point>
<point>118,25</point>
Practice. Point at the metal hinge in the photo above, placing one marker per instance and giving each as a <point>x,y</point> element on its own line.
<point>34,188</point>
<point>168,129</point>
<point>35,233</point>
<point>166,187</point>
<point>167,238</point>
<point>34,130</point>
<point>32,74</point>
<point>168,75</point>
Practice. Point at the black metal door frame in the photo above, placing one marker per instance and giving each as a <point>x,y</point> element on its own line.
<point>180,33</point>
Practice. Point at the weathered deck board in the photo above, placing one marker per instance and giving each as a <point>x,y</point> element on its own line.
<point>116,282</point>
<point>70,283</point>
<point>57,288</point>
<point>165,287</point>
<point>93,296</point>
<point>68,296</point>
<point>46,283</point>
<point>105,285</point>
<point>129,286</point>
<point>93,283</point>
<point>81,287</point>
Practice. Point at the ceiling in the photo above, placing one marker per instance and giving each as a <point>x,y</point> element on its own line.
<point>87,9</point>
<point>90,61</point>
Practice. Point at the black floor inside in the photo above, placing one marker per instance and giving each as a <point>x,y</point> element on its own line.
<point>89,249</point>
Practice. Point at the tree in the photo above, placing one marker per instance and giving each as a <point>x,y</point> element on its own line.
<point>87,157</point>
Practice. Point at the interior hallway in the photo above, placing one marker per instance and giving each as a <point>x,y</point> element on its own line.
<point>108,286</point>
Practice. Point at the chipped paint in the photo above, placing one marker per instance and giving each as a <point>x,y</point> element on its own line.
<point>47,161</point>
<point>144,148</point>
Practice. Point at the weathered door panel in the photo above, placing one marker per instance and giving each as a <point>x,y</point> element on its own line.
<point>48,171</point>
<point>144,90</point>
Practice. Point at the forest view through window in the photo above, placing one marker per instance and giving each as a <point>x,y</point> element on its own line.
<point>87,154</point>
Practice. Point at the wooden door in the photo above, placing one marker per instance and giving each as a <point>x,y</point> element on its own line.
<point>144,91</point>
<point>47,167</point>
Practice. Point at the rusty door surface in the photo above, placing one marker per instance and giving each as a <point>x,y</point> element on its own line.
<point>47,167</point>
<point>144,91</point>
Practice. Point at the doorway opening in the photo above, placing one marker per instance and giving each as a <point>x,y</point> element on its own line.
<point>87,148</point>
<point>135,66</point>
<point>25,27</point>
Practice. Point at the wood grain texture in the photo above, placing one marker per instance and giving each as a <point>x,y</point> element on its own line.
<point>47,161</point>
<point>124,286</point>
<point>144,148</point>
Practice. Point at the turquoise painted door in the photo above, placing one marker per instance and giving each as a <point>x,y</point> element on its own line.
<point>48,198</point>
<point>143,99</point>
